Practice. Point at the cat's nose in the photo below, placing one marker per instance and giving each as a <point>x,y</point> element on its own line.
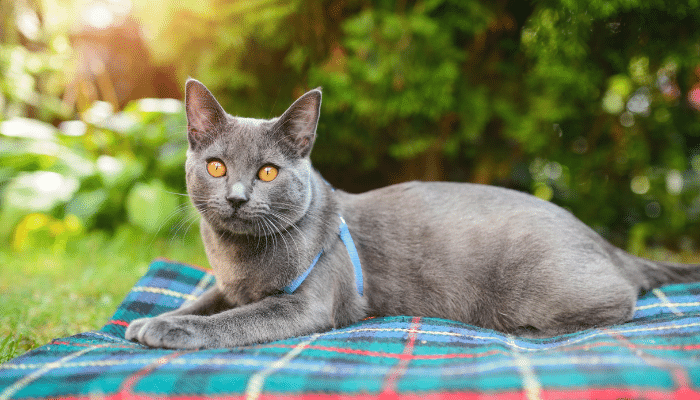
<point>236,195</point>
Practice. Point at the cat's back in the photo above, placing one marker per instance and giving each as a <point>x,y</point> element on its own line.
<point>434,201</point>
<point>446,221</point>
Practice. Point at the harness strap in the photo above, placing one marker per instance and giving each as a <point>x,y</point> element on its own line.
<point>292,287</point>
<point>352,252</point>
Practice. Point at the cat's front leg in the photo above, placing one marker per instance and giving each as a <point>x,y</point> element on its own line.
<point>273,318</point>
<point>170,331</point>
<point>210,302</point>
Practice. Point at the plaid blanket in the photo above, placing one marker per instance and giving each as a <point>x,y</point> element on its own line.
<point>655,356</point>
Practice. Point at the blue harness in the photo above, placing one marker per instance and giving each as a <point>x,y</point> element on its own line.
<point>352,252</point>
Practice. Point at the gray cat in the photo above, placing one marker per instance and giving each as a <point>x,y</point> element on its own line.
<point>293,256</point>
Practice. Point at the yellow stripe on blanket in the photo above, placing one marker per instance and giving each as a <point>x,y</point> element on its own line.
<point>660,305</point>
<point>162,291</point>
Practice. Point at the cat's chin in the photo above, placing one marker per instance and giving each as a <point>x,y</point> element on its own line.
<point>239,227</point>
<point>235,227</point>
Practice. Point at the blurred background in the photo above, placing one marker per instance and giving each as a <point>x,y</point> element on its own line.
<point>593,105</point>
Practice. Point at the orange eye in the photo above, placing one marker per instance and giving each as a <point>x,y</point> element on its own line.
<point>216,168</point>
<point>267,173</point>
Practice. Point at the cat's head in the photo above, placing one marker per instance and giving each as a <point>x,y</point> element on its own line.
<point>249,176</point>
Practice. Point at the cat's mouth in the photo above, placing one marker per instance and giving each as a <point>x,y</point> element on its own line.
<point>247,219</point>
<point>240,220</point>
<point>243,221</point>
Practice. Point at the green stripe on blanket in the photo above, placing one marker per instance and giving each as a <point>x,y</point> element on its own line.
<point>656,356</point>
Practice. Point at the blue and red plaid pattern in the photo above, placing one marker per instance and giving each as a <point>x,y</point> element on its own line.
<point>654,356</point>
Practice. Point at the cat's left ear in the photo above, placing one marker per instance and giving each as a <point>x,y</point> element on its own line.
<point>205,116</point>
<point>298,123</point>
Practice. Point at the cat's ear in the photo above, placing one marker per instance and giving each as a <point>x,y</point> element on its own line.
<point>298,123</point>
<point>205,116</point>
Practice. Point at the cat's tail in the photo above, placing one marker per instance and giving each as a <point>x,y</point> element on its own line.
<point>657,273</point>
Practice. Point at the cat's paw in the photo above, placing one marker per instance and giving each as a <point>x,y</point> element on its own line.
<point>132,331</point>
<point>176,332</point>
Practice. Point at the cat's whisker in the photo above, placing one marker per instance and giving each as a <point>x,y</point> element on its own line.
<point>281,234</point>
<point>281,218</point>
<point>197,198</point>
<point>276,206</point>
<point>176,228</point>
<point>257,228</point>
<point>293,207</point>
<point>174,235</point>
<point>271,235</point>
<point>193,220</point>
<point>181,209</point>
<point>310,214</point>
<point>172,214</point>
<point>293,226</point>
<point>221,236</point>
<point>274,238</point>
<point>265,235</point>
<point>179,194</point>
<point>188,221</point>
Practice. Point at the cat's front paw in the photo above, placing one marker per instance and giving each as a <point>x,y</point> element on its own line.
<point>132,331</point>
<point>175,332</point>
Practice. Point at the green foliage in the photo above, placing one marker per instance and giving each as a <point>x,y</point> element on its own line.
<point>619,79</point>
<point>117,168</point>
<point>585,104</point>
<point>594,105</point>
<point>33,77</point>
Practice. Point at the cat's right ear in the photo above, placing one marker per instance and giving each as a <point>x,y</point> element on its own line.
<point>205,116</point>
<point>298,124</point>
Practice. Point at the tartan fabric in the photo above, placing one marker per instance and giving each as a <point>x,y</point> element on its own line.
<point>655,356</point>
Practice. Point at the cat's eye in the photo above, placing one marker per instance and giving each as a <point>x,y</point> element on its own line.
<point>267,173</point>
<point>216,168</point>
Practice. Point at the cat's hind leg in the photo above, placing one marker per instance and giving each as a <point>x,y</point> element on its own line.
<point>597,301</point>
<point>574,321</point>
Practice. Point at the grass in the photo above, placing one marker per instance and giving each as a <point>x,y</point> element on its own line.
<point>46,293</point>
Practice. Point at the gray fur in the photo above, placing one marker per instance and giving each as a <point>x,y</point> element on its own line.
<point>483,255</point>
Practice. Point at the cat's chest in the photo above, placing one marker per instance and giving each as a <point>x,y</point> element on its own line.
<point>242,280</point>
<point>242,274</point>
<point>239,293</point>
